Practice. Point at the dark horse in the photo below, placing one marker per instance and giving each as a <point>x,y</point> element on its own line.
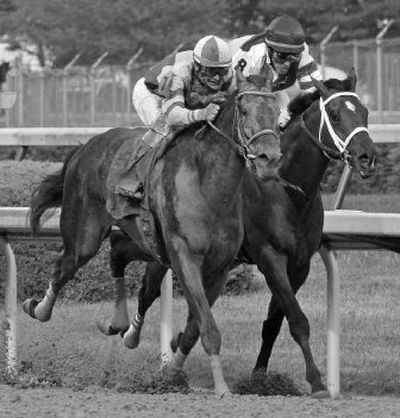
<point>283,225</point>
<point>194,198</point>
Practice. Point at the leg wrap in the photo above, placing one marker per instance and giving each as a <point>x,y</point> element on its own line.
<point>132,336</point>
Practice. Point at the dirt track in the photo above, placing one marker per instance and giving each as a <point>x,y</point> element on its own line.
<point>62,403</point>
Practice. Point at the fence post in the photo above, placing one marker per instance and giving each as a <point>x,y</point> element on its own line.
<point>355,56</point>
<point>93,87</point>
<point>20,90</point>
<point>129,68</point>
<point>65,98</point>
<point>166,320</point>
<point>379,74</point>
<point>10,324</point>
<point>41,98</point>
<point>322,48</point>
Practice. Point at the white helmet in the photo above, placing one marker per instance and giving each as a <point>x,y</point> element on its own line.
<point>212,51</point>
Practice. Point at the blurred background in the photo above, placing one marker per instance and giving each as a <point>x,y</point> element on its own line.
<point>74,62</point>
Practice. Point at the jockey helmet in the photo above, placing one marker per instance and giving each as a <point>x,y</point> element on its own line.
<point>212,51</point>
<point>286,35</point>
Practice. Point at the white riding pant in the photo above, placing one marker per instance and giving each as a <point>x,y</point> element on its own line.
<point>146,103</point>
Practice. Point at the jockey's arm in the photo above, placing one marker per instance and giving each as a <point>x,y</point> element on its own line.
<point>307,68</point>
<point>174,109</point>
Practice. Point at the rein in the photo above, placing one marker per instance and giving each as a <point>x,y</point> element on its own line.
<point>340,144</point>
<point>242,148</point>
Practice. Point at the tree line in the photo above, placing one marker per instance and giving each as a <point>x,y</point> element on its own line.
<point>64,29</point>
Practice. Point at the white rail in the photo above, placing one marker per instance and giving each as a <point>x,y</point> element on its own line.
<point>60,136</point>
<point>14,226</point>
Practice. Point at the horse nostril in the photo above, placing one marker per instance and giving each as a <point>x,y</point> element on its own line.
<point>363,159</point>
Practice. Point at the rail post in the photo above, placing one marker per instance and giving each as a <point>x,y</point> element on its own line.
<point>333,321</point>
<point>10,323</point>
<point>166,320</point>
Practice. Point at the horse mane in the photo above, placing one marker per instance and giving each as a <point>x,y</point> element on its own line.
<point>259,80</point>
<point>300,103</point>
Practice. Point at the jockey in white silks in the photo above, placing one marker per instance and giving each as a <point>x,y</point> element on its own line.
<point>182,89</point>
<point>282,46</point>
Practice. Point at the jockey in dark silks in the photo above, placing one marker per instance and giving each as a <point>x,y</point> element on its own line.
<point>282,46</point>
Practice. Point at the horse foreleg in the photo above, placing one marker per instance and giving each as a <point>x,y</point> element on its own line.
<point>274,267</point>
<point>270,331</point>
<point>148,293</point>
<point>183,343</point>
<point>272,325</point>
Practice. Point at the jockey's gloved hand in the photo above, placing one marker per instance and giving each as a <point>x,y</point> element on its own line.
<point>219,98</point>
<point>208,113</point>
<point>284,118</point>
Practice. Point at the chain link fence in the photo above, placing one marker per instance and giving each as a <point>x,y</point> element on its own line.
<point>79,96</point>
<point>101,96</point>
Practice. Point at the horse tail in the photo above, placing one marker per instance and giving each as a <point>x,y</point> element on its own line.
<point>49,193</point>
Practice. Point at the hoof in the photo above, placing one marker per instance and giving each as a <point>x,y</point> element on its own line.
<point>131,338</point>
<point>107,329</point>
<point>223,393</point>
<point>320,394</point>
<point>29,307</point>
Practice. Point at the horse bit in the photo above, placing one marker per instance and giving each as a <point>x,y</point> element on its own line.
<point>243,146</point>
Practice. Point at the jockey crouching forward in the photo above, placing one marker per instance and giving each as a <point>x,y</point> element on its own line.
<point>171,97</point>
<point>282,46</point>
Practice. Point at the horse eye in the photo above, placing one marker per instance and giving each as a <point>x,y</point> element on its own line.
<point>335,116</point>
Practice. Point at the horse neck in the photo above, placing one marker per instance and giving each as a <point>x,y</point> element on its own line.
<point>304,164</point>
<point>219,163</point>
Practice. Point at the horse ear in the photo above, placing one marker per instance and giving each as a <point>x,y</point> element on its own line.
<point>352,77</point>
<point>320,86</point>
<point>239,74</point>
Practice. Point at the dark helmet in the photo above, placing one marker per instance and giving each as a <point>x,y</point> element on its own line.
<point>285,34</point>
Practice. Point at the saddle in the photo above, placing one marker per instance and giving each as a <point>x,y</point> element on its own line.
<point>131,166</point>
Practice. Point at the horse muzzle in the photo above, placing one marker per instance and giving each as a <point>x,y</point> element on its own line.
<point>267,166</point>
<point>365,165</point>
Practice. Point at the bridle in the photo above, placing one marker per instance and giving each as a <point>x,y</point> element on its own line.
<point>340,144</point>
<point>242,147</point>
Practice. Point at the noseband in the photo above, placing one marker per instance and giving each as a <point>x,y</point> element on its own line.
<point>340,144</point>
<point>242,147</point>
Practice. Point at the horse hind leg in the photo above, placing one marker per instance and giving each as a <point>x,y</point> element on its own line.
<point>81,243</point>
<point>148,293</point>
<point>121,254</point>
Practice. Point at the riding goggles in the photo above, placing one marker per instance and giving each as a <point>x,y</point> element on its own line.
<point>213,71</point>
<point>282,57</point>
